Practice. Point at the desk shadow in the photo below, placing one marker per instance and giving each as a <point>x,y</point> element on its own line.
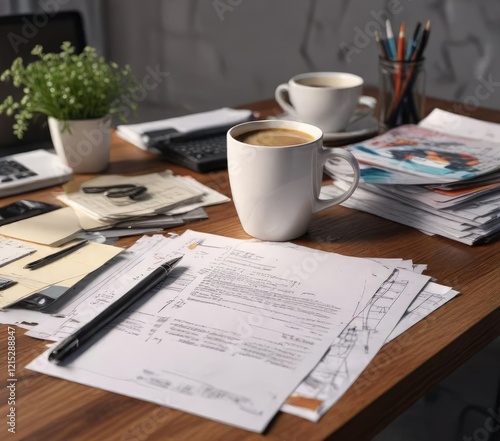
<point>141,165</point>
<point>343,225</point>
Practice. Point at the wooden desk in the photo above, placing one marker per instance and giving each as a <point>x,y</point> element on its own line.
<point>52,409</point>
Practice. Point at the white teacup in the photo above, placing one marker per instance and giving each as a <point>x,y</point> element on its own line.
<point>276,188</point>
<point>325,99</point>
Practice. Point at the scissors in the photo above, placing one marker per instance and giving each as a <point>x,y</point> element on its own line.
<point>118,191</point>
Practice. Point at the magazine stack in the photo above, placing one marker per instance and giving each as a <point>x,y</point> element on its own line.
<point>441,177</point>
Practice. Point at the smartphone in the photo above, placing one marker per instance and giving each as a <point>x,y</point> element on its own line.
<point>24,209</point>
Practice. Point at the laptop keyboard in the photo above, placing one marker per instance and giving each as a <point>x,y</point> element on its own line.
<point>11,170</point>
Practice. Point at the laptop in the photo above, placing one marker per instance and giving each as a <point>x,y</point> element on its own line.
<point>30,171</point>
<point>22,166</point>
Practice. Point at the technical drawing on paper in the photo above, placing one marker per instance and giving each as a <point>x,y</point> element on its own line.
<point>356,345</point>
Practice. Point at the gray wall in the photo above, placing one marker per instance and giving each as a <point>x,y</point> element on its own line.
<point>228,52</point>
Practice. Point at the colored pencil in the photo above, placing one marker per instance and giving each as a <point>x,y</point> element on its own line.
<point>401,42</point>
<point>416,31</point>
<point>390,39</point>
<point>383,50</point>
<point>425,38</point>
<point>412,45</point>
<point>400,58</point>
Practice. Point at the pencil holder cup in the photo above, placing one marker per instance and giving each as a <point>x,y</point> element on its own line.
<point>402,92</point>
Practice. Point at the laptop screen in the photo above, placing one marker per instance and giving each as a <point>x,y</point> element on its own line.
<point>19,34</point>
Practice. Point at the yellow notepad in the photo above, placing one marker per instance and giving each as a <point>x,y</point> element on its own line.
<point>57,276</point>
<point>53,228</point>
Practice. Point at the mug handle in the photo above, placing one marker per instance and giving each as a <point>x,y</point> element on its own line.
<point>370,102</point>
<point>325,154</point>
<point>279,94</point>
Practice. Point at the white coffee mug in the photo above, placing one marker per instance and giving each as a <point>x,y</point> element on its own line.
<point>325,99</point>
<point>276,189</point>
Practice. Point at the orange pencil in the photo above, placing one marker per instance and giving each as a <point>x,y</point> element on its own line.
<point>400,58</point>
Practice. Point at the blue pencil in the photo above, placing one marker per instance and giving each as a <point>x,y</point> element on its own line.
<point>390,40</point>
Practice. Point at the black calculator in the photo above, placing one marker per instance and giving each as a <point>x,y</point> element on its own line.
<point>203,151</point>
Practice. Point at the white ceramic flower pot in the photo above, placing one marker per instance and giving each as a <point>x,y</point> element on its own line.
<point>84,145</point>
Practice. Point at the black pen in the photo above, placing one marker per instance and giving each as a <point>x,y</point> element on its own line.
<point>56,256</point>
<point>70,344</point>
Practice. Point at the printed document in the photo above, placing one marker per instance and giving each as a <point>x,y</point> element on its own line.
<point>230,333</point>
<point>11,250</point>
<point>356,346</point>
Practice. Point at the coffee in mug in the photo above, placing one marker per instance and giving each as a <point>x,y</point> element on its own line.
<point>276,188</point>
<point>327,100</point>
<point>275,137</point>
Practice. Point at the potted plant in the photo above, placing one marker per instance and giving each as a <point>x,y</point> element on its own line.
<point>79,93</point>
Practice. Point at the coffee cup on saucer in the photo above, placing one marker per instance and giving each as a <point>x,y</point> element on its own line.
<point>327,100</point>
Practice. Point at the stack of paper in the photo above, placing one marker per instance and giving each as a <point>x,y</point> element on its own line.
<point>169,200</point>
<point>441,177</point>
<point>139,134</point>
<point>239,324</point>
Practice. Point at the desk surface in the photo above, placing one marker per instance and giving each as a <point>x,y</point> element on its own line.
<point>52,409</point>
